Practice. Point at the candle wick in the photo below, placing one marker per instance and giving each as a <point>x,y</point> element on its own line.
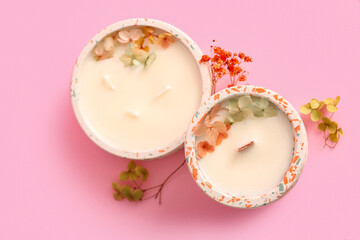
<point>246,146</point>
<point>165,90</point>
<point>109,83</point>
<point>132,113</point>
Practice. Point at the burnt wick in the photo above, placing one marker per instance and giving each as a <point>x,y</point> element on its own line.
<point>246,146</point>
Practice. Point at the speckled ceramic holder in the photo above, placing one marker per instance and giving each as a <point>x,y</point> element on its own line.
<point>76,94</point>
<point>292,174</point>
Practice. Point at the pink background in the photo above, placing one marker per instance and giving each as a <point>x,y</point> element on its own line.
<point>56,184</point>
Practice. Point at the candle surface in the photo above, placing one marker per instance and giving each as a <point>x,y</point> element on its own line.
<point>258,167</point>
<point>136,108</point>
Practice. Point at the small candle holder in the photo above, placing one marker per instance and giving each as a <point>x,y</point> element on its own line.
<point>296,164</point>
<point>76,94</point>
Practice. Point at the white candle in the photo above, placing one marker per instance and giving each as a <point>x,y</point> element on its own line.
<point>261,164</point>
<point>136,108</point>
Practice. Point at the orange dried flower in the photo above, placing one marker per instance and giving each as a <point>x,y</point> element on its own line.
<point>223,62</point>
<point>203,148</point>
<point>242,78</point>
<point>221,137</point>
<point>247,59</point>
<point>165,40</point>
<point>211,130</point>
<point>204,58</point>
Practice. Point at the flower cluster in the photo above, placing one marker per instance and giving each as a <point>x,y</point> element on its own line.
<point>330,128</point>
<point>135,176</point>
<point>226,63</point>
<point>247,107</point>
<point>214,132</point>
<point>237,109</point>
<point>138,45</point>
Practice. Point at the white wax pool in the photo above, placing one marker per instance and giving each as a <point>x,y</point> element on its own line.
<point>140,109</point>
<point>258,168</point>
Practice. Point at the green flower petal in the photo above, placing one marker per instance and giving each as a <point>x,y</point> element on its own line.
<point>137,194</point>
<point>270,111</point>
<point>244,101</point>
<point>124,176</point>
<point>315,115</point>
<point>237,117</point>
<point>314,103</point>
<point>116,187</point>
<point>331,108</point>
<point>340,131</point>
<point>322,127</point>
<point>117,196</point>
<point>258,113</point>
<point>233,106</point>
<point>140,55</point>
<point>329,101</point>
<point>305,109</point>
<point>326,120</point>
<point>127,60</point>
<point>334,137</point>
<point>247,113</point>
<point>150,59</point>
<point>126,191</point>
<point>133,176</point>
<point>131,165</point>
<point>332,127</point>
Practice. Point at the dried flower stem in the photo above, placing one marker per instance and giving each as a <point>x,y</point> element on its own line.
<point>161,186</point>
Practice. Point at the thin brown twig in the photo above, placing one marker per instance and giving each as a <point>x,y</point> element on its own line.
<point>161,186</point>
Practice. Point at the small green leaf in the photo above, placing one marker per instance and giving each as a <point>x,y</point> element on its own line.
<point>329,101</point>
<point>334,137</point>
<point>326,120</point>
<point>131,165</point>
<point>141,171</point>
<point>331,108</point>
<point>126,190</point>
<point>116,186</point>
<point>305,109</point>
<point>315,115</point>
<point>340,131</point>
<point>133,176</point>
<point>314,103</point>
<point>124,176</point>
<point>332,127</point>
<point>322,126</point>
<point>117,196</point>
<point>137,195</point>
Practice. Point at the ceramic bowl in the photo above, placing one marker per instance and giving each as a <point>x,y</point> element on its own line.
<point>296,163</point>
<point>76,95</point>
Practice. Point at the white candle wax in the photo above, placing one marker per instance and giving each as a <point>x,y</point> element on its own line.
<point>140,109</point>
<point>259,167</point>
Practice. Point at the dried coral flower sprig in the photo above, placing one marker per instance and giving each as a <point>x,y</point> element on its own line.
<point>331,130</point>
<point>224,63</point>
<point>136,175</point>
